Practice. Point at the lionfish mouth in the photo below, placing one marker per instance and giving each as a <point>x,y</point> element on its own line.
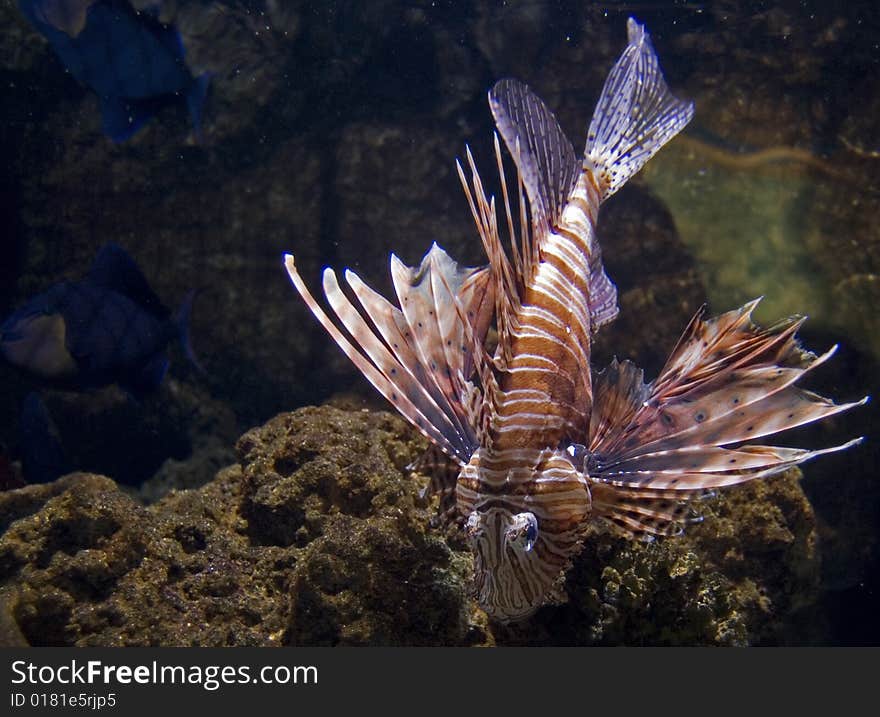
<point>513,574</point>
<point>502,597</point>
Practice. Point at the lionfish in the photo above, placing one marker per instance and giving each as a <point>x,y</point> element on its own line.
<point>542,445</point>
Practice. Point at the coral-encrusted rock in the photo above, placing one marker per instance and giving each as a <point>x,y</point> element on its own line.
<point>381,581</point>
<point>305,467</point>
<point>332,550</point>
<point>318,537</point>
<point>370,572</point>
<point>67,546</point>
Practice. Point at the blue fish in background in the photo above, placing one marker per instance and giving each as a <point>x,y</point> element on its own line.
<point>132,61</point>
<point>42,456</point>
<point>107,328</point>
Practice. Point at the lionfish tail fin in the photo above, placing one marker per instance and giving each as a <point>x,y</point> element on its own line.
<point>401,352</point>
<point>728,382</point>
<point>636,114</point>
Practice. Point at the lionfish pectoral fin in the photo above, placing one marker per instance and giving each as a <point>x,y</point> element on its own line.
<point>636,114</point>
<point>726,383</point>
<point>416,358</point>
<point>442,474</point>
<point>643,514</point>
<point>618,393</point>
<point>378,364</point>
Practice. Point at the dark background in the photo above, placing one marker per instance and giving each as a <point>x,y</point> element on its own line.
<point>331,131</point>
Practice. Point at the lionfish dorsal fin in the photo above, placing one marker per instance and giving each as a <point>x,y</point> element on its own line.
<point>636,114</point>
<point>543,155</point>
<point>727,383</point>
<point>424,382</point>
<point>506,283</point>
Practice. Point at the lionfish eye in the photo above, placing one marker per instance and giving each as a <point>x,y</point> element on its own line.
<point>531,532</point>
<point>472,526</point>
<point>578,453</point>
<point>524,530</point>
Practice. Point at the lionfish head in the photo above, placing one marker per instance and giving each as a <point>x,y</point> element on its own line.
<point>510,578</point>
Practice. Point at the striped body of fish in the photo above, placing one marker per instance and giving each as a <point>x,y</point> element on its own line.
<point>543,444</point>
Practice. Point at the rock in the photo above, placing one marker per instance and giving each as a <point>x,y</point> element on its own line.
<point>230,564</point>
<point>68,543</point>
<point>378,582</point>
<point>371,573</point>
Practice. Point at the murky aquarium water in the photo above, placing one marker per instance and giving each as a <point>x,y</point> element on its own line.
<point>569,424</point>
